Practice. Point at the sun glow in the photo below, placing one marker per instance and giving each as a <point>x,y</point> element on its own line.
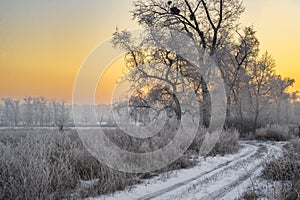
<point>44,43</point>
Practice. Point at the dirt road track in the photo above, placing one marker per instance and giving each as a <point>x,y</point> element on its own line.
<point>216,178</point>
<point>219,181</point>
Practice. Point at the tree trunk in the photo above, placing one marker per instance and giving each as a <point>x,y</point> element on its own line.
<point>255,123</point>
<point>177,107</point>
<point>206,105</point>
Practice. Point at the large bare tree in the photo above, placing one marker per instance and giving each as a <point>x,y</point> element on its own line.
<point>210,23</point>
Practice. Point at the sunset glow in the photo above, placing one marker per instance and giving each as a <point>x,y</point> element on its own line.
<point>44,43</point>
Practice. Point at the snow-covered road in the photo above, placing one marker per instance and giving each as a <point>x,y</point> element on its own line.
<point>214,178</point>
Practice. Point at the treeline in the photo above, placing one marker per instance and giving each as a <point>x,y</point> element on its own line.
<point>40,112</point>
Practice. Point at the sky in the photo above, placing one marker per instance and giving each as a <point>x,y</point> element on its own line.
<point>43,43</point>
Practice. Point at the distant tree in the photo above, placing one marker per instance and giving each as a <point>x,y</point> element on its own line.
<point>42,103</point>
<point>87,115</point>
<point>28,111</point>
<point>49,114</point>
<point>34,111</point>
<point>261,74</point>
<point>61,114</point>
<point>2,117</point>
<point>11,111</point>
<point>279,92</point>
<point>295,97</point>
<point>103,113</point>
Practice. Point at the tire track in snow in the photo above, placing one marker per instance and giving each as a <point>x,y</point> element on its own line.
<point>272,150</point>
<point>217,184</point>
<point>252,150</point>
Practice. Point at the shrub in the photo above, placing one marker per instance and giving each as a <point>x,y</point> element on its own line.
<point>250,195</point>
<point>37,164</point>
<point>286,171</point>
<point>110,181</point>
<point>272,133</point>
<point>227,143</point>
<point>183,162</point>
<point>285,168</point>
<point>244,127</point>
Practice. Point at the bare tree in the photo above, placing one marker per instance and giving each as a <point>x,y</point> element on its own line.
<point>279,92</point>
<point>61,114</point>
<point>234,59</point>
<point>35,109</point>
<point>164,68</point>
<point>28,111</point>
<point>2,119</point>
<point>155,99</point>
<point>209,23</point>
<point>49,114</point>
<point>261,75</point>
<point>42,103</point>
<point>103,112</point>
<point>11,111</point>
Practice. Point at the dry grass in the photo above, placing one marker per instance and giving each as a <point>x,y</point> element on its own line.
<point>272,133</point>
<point>282,176</point>
<point>48,164</point>
<point>286,170</point>
<point>227,144</point>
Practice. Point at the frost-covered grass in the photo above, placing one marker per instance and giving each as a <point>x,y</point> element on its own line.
<point>272,133</point>
<point>280,177</point>
<point>228,142</point>
<point>48,164</point>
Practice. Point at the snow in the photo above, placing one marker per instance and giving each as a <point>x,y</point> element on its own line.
<point>218,177</point>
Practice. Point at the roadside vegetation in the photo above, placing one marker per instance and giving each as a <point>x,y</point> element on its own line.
<point>280,177</point>
<point>284,172</point>
<point>273,133</point>
<point>49,164</point>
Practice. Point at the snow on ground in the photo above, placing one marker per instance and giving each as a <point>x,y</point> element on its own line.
<point>218,177</point>
<point>253,181</point>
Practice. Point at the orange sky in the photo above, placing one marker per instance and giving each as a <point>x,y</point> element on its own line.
<point>277,24</point>
<point>43,43</point>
